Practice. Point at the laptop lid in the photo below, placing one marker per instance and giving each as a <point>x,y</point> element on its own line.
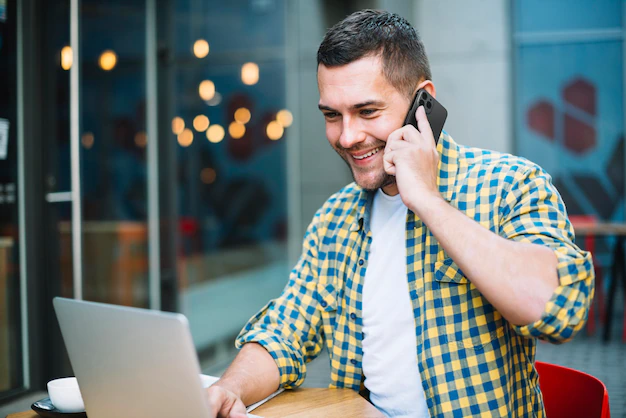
<point>132,362</point>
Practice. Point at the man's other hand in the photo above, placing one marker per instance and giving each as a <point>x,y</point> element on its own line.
<point>224,403</point>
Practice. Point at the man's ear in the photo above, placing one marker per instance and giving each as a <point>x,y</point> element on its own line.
<point>428,86</point>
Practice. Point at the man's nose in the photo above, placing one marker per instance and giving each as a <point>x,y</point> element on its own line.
<point>351,134</point>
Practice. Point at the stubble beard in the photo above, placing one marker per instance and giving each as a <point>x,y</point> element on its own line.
<point>382,179</point>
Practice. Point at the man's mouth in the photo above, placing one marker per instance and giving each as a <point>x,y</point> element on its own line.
<point>367,155</point>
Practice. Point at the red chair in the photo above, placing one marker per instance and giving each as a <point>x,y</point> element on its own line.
<point>568,393</point>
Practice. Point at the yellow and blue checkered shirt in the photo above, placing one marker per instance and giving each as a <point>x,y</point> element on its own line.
<point>471,360</point>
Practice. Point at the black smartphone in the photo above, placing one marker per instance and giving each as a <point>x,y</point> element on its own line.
<point>435,112</point>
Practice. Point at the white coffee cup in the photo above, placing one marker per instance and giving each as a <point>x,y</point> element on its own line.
<point>65,395</point>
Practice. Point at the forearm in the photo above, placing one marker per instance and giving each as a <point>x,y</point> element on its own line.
<point>518,279</point>
<point>253,375</point>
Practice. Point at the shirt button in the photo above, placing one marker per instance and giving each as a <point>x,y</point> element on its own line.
<point>361,262</point>
<point>323,303</point>
<point>353,316</point>
<point>353,361</point>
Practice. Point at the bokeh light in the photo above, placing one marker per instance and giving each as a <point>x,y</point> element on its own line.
<point>201,123</point>
<point>215,133</point>
<point>66,58</point>
<point>274,130</point>
<point>208,175</point>
<point>107,60</point>
<point>242,115</point>
<point>250,73</point>
<point>285,118</point>
<point>87,140</point>
<point>201,48</point>
<point>141,139</point>
<point>236,130</point>
<point>206,90</point>
<point>178,124</point>
<point>185,138</point>
<point>216,100</point>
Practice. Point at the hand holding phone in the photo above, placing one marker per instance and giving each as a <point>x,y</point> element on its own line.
<point>435,112</point>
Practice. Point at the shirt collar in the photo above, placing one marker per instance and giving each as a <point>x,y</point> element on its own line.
<point>446,178</point>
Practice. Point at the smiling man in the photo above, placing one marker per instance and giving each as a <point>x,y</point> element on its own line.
<point>430,278</point>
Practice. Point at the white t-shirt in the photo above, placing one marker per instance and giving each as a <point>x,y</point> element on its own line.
<point>389,344</point>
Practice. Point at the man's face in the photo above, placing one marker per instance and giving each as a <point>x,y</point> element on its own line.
<point>361,109</point>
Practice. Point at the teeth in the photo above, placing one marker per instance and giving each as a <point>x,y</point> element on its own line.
<point>369,154</point>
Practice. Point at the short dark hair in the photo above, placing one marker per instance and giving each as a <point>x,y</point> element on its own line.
<point>375,32</point>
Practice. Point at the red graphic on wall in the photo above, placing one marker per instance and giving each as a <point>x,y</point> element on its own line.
<point>541,119</point>
<point>581,94</point>
<point>578,136</point>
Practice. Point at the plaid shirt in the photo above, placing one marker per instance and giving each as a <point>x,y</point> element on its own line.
<point>471,360</point>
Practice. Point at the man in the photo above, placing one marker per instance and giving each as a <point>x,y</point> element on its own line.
<point>430,278</point>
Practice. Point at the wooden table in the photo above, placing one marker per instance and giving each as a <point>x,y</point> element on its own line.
<point>302,403</point>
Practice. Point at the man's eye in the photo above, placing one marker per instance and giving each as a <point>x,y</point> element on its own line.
<point>368,112</point>
<point>330,115</point>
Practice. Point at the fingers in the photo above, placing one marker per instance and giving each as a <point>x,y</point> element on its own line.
<point>225,404</point>
<point>423,124</point>
<point>407,133</point>
<point>238,410</point>
<point>395,143</point>
<point>216,397</point>
<point>406,138</point>
<point>388,164</point>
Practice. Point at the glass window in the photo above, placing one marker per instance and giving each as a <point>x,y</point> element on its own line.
<point>573,15</point>
<point>229,126</point>
<point>569,113</point>
<point>113,151</point>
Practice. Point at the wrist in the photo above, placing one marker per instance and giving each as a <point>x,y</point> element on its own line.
<point>230,386</point>
<point>426,204</point>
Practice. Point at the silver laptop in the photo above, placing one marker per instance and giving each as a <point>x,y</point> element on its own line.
<point>132,362</point>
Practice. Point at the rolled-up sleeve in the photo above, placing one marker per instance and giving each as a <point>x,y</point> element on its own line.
<point>288,327</point>
<point>532,211</point>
